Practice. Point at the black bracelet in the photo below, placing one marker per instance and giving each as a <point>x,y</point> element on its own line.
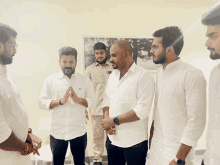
<point>60,102</point>
<point>29,130</point>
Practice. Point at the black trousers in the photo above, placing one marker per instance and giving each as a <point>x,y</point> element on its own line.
<point>77,147</point>
<point>202,162</point>
<point>134,155</point>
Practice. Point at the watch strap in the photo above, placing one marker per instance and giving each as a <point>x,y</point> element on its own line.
<point>60,102</point>
<point>116,121</point>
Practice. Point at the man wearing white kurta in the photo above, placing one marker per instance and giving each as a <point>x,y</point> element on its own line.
<point>127,103</point>
<point>14,125</point>
<point>179,115</point>
<point>212,154</point>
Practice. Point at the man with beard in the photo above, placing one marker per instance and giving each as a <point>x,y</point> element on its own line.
<point>127,103</point>
<point>212,154</point>
<point>16,139</point>
<point>98,72</point>
<point>179,115</point>
<point>67,93</point>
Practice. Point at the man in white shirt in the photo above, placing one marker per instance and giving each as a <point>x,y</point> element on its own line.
<point>212,154</point>
<point>179,115</point>
<point>127,103</point>
<point>67,93</point>
<point>16,140</point>
<point>99,73</point>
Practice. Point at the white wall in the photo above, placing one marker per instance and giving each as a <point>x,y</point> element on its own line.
<point>44,26</point>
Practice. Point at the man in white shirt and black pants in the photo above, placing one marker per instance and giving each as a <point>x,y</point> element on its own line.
<point>127,102</point>
<point>67,93</point>
<point>179,115</point>
<point>212,155</point>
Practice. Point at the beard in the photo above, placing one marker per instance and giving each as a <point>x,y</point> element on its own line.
<point>5,59</point>
<point>161,60</point>
<point>68,71</point>
<point>103,61</point>
<point>213,56</point>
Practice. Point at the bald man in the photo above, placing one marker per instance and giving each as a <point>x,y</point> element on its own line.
<point>126,104</point>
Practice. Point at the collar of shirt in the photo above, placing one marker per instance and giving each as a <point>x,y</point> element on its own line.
<point>61,75</point>
<point>131,69</point>
<point>172,65</point>
<point>97,64</point>
<point>3,69</point>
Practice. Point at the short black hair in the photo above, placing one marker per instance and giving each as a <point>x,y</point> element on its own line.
<point>99,45</point>
<point>6,32</point>
<point>171,36</point>
<point>68,51</point>
<point>212,17</point>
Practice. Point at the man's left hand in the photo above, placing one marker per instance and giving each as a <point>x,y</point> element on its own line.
<point>107,123</point>
<point>33,140</point>
<point>173,162</point>
<point>73,95</point>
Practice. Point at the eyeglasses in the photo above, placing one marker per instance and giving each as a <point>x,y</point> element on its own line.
<point>13,44</point>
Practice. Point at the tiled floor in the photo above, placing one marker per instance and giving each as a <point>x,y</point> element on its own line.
<point>197,161</point>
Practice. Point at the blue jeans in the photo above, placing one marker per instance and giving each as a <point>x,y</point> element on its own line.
<point>77,147</point>
<point>134,155</point>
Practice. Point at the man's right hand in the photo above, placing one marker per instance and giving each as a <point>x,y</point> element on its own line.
<point>111,131</point>
<point>66,96</point>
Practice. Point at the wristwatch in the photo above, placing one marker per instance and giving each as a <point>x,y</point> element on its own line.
<point>180,162</point>
<point>60,102</point>
<point>116,121</point>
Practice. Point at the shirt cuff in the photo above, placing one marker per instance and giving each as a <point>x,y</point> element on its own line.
<point>188,142</point>
<point>48,104</point>
<point>5,135</point>
<point>140,113</point>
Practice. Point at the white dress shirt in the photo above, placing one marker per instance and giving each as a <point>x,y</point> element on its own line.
<point>13,117</point>
<point>179,111</point>
<point>68,120</point>
<point>135,91</point>
<point>212,154</point>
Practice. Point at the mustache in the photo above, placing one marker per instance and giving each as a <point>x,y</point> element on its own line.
<point>68,68</point>
<point>212,49</point>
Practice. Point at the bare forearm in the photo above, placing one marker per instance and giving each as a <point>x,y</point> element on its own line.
<point>12,144</point>
<point>183,152</point>
<point>106,112</point>
<point>128,117</point>
<point>54,103</point>
<point>83,102</point>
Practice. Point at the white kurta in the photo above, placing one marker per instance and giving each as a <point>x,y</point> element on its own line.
<point>212,155</point>
<point>13,117</point>
<point>179,111</point>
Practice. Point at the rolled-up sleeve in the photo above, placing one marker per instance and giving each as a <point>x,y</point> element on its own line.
<point>90,94</point>
<point>45,96</point>
<point>195,94</point>
<point>5,131</point>
<point>145,95</point>
<point>106,101</point>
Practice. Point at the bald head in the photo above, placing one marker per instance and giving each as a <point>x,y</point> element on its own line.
<point>123,45</point>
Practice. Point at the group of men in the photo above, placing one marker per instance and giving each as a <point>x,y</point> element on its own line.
<point>118,94</point>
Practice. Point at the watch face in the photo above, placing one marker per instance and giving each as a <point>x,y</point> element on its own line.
<point>180,162</point>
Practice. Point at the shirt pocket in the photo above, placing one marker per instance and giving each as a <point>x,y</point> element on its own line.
<point>97,78</point>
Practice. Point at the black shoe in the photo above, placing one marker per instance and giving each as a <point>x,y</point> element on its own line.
<point>97,163</point>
